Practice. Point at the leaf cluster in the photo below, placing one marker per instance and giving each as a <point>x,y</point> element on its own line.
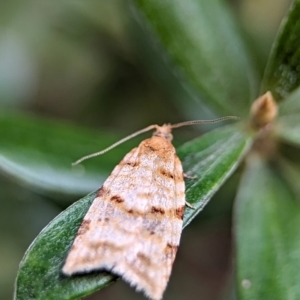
<point>201,45</point>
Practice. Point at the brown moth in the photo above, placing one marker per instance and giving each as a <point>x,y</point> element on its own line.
<point>134,224</point>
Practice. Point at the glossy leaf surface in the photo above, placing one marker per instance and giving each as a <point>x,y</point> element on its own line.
<point>203,42</point>
<point>288,125</point>
<point>282,75</point>
<point>267,220</point>
<point>39,153</point>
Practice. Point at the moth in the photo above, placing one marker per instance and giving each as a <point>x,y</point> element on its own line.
<point>133,227</point>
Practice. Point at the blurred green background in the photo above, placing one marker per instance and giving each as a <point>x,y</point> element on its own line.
<point>89,63</point>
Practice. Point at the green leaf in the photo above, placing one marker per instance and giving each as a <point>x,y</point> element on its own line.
<point>291,170</point>
<point>282,74</point>
<point>39,153</point>
<point>267,222</point>
<point>203,42</point>
<point>288,125</point>
<point>288,129</point>
<point>40,277</point>
<point>22,215</point>
<point>212,158</point>
<point>291,105</point>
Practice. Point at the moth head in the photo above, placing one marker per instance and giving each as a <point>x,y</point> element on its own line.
<point>164,131</point>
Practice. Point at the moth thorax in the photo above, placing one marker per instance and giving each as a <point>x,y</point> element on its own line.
<point>164,131</point>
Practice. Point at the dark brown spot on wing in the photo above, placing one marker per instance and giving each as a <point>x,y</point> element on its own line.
<point>170,251</point>
<point>154,210</point>
<point>144,258</point>
<point>179,212</point>
<point>157,210</point>
<point>84,227</point>
<point>171,247</point>
<point>131,163</point>
<point>166,173</point>
<point>117,199</point>
<point>151,148</point>
<point>135,213</point>
<point>102,191</point>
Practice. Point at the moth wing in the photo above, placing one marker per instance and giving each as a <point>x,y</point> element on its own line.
<point>133,226</point>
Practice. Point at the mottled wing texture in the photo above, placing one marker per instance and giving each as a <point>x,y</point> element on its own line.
<point>133,226</point>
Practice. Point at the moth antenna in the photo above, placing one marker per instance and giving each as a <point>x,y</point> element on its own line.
<point>194,122</point>
<point>115,144</point>
<point>150,128</point>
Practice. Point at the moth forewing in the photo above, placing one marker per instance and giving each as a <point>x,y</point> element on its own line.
<point>133,226</point>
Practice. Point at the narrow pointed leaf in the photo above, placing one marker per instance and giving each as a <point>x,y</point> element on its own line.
<point>288,128</point>
<point>212,158</point>
<point>288,125</point>
<point>267,222</point>
<point>39,153</point>
<point>282,74</point>
<point>40,275</point>
<point>291,105</point>
<point>291,171</point>
<point>204,44</point>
